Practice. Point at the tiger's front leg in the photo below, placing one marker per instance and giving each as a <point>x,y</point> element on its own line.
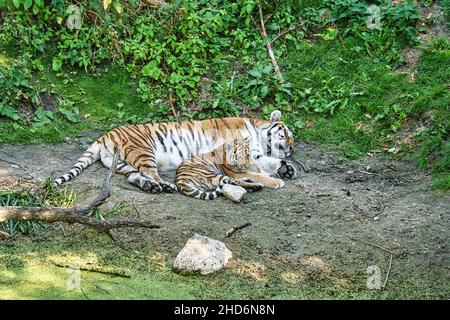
<point>260,178</point>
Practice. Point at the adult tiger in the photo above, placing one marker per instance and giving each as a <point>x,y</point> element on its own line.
<point>148,148</point>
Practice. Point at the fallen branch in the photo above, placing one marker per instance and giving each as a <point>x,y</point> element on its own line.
<point>75,215</point>
<point>263,33</point>
<point>240,226</point>
<point>389,271</point>
<point>366,172</point>
<point>384,249</point>
<point>320,195</point>
<point>92,268</point>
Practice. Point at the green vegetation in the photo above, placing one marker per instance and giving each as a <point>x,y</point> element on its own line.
<point>28,273</point>
<point>343,84</point>
<point>47,195</point>
<point>134,64</point>
<point>131,63</point>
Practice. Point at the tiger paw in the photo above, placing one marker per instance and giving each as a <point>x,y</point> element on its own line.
<point>279,185</point>
<point>168,187</point>
<point>275,183</point>
<point>152,187</point>
<point>287,170</point>
<point>254,187</point>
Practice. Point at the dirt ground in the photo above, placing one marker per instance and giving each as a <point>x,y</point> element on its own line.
<point>335,219</point>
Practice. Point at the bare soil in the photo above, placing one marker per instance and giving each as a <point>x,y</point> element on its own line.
<point>333,220</point>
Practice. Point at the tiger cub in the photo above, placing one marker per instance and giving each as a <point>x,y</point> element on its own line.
<point>204,176</point>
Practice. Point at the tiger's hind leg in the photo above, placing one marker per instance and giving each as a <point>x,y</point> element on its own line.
<point>137,179</point>
<point>147,177</point>
<point>154,179</point>
<point>261,178</point>
<point>148,185</point>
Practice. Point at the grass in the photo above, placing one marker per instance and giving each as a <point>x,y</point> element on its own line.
<point>105,100</point>
<point>382,103</point>
<point>47,195</point>
<point>386,106</point>
<point>26,272</point>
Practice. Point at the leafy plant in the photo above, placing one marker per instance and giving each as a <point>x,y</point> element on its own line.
<point>47,195</point>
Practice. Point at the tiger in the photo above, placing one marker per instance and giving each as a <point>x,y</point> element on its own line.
<point>147,149</point>
<point>204,176</point>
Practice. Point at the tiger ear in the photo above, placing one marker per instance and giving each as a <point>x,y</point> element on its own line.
<point>275,116</point>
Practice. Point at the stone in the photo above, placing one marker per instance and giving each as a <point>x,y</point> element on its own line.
<point>202,255</point>
<point>234,193</point>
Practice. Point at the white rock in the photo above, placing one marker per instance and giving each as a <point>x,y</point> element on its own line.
<point>202,254</point>
<point>235,193</point>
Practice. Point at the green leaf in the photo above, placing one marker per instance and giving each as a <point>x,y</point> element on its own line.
<point>37,64</point>
<point>255,73</point>
<point>42,117</point>
<point>70,115</point>
<point>106,4</point>
<point>175,77</point>
<point>57,63</point>
<point>9,112</point>
<point>330,34</point>
<point>151,70</point>
<point>27,4</point>
<point>118,7</point>
<point>35,9</point>
<point>264,91</point>
<point>267,69</point>
<point>16,3</point>
<point>299,124</point>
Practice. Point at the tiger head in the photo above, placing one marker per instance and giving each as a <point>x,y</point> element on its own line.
<point>278,140</point>
<point>239,153</point>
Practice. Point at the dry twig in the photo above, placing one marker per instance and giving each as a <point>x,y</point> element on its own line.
<point>74,215</point>
<point>240,226</point>
<point>105,270</point>
<point>286,31</point>
<point>263,33</point>
<point>384,249</point>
